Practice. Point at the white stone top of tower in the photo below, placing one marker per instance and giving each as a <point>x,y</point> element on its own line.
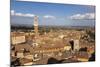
<point>35,20</point>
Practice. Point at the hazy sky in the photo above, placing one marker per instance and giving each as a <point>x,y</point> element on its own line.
<point>52,14</point>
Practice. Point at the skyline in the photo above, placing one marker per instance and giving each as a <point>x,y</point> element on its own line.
<point>52,13</point>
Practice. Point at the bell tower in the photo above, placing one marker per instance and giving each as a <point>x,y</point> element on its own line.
<point>36,26</point>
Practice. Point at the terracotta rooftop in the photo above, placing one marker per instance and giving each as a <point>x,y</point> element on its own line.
<point>24,60</point>
<point>82,55</point>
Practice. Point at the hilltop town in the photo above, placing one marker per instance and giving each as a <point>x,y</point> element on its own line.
<point>49,45</point>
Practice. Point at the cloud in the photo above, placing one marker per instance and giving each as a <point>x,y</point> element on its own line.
<point>24,15</point>
<point>83,16</point>
<point>49,17</point>
<point>13,13</point>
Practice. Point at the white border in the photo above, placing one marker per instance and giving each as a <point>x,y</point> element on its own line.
<point>84,2</point>
<point>5,34</point>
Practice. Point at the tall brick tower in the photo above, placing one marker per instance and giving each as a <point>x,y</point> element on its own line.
<point>36,26</point>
